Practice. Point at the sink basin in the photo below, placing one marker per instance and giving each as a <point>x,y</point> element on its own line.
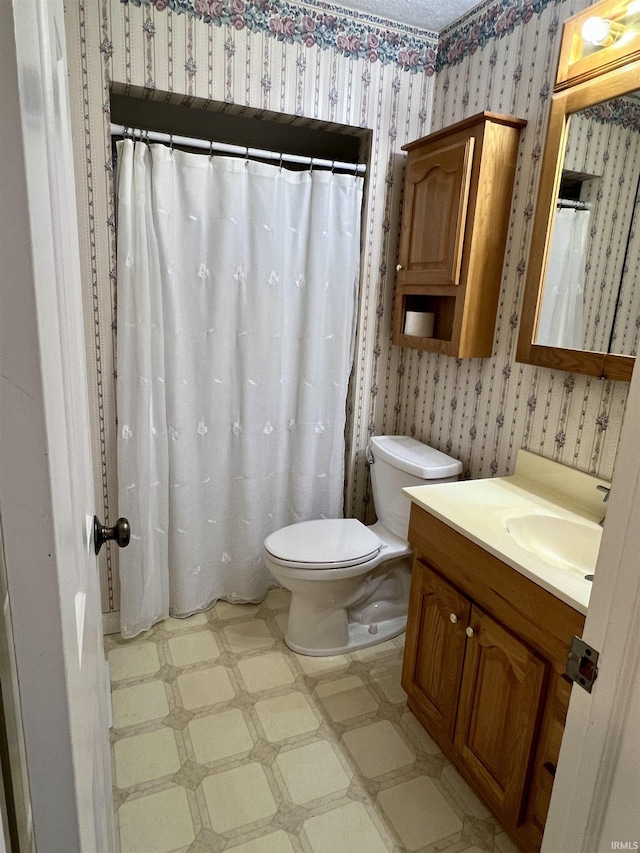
<point>561,542</point>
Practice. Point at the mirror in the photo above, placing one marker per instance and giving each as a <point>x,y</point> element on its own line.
<point>581,309</point>
<point>591,291</point>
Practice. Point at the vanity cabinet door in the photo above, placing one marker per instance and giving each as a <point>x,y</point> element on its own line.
<point>500,701</point>
<point>434,648</point>
<point>551,732</point>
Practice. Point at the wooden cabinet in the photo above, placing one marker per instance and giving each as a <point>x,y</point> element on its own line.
<point>437,617</point>
<point>455,216</point>
<point>479,686</point>
<point>500,698</point>
<point>548,750</point>
<point>483,670</point>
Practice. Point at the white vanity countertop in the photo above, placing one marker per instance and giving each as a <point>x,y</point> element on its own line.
<point>482,509</point>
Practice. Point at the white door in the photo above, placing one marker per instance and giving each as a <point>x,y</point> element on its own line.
<point>596,805</point>
<point>46,488</point>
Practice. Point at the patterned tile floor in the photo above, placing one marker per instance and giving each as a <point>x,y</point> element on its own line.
<point>224,739</point>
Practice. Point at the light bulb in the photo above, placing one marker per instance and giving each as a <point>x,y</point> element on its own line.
<point>602,32</point>
<point>597,31</point>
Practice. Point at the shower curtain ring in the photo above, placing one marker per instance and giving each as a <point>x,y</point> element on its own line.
<point>311,165</point>
<point>333,167</point>
<point>171,142</point>
<point>280,162</point>
<point>211,148</point>
<point>246,156</point>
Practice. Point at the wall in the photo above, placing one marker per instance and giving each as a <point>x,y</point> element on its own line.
<point>502,57</point>
<point>355,70</point>
<point>320,61</point>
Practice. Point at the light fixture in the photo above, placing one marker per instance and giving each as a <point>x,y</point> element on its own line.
<point>601,32</point>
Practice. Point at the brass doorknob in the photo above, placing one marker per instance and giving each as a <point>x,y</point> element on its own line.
<point>120,533</point>
<point>469,631</point>
<point>453,618</point>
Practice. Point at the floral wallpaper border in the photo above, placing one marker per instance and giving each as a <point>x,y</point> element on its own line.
<point>620,111</point>
<point>351,34</point>
<point>492,20</point>
<point>361,36</point>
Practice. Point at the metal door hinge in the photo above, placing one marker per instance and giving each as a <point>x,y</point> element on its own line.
<point>582,663</point>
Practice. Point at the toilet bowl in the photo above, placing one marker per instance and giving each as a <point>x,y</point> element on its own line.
<point>350,583</point>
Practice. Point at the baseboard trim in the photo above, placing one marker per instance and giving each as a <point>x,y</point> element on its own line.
<point>111,622</point>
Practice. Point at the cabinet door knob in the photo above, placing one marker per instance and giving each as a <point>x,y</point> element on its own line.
<point>453,618</point>
<point>398,267</point>
<point>469,631</point>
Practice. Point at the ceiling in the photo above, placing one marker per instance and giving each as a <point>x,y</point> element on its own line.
<point>431,15</point>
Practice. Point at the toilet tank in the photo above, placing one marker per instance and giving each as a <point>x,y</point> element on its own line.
<point>398,462</point>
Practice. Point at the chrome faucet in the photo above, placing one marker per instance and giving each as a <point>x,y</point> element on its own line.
<point>606,490</point>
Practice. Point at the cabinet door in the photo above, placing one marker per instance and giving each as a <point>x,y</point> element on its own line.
<point>551,732</point>
<point>434,651</point>
<point>500,697</point>
<point>434,213</point>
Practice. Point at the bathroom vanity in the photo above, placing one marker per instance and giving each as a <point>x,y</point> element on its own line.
<point>491,616</point>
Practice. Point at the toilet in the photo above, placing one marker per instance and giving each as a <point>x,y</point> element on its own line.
<point>350,583</point>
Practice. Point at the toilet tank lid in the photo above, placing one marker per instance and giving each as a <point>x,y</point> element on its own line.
<point>414,457</point>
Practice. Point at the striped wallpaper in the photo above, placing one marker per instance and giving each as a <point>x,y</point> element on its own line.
<point>317,60</point>
<point>483,411</point>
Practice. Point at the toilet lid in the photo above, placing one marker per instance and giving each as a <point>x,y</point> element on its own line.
<point>333,541</point>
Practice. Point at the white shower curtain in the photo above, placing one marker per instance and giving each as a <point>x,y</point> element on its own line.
<point>237,286</point>
<point>560,323</point>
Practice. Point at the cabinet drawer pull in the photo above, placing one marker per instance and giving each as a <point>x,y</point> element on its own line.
<point>453,618</point>
<point>469,631</point>
<point>398,267</point>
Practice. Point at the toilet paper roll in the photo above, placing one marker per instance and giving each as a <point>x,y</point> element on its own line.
<point>419,323</point>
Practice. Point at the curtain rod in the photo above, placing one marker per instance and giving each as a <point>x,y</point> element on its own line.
<point>574,205</point>
<point>223,147</point>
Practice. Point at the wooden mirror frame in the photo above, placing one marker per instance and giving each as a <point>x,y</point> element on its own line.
<point>580,85</point>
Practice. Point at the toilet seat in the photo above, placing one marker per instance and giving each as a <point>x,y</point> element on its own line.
<point>327,543</point>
